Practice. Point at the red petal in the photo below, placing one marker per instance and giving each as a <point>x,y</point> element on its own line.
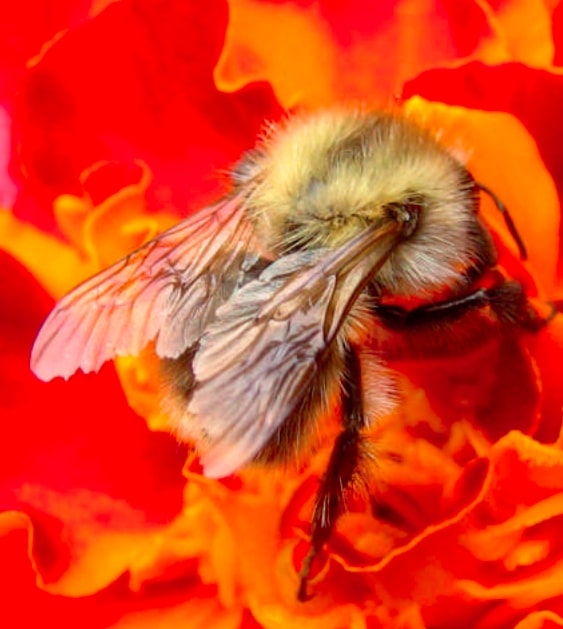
<point>26,26</point>
<point>136,82</point>
<point>83,467</point>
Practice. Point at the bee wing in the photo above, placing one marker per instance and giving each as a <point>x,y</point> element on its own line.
<point>166,290</point>
<point>262,352</point>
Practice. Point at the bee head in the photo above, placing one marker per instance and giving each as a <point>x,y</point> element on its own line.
<point>317,182</point>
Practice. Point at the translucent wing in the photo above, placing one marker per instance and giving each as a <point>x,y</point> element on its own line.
<point>167,290</point>
<point>264,348</point>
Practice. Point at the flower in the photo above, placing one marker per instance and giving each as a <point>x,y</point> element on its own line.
<point>119,113</point>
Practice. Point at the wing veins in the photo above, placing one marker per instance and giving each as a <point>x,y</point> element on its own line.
<point>170,274</point>
<point>299,304</point>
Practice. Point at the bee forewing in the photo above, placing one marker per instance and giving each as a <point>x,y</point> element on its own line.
<point>167,290</point>
<point>260,355</point>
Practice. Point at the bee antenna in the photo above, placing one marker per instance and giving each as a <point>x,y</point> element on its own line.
<point>501,207</point>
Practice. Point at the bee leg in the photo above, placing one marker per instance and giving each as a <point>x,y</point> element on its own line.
<point>398,318</point>
<point>342,470</point>
<point>507,302</point>
<point>510,305</point>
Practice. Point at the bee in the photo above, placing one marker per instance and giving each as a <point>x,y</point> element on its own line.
<point>271,307</point>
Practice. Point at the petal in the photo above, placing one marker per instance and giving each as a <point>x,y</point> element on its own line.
<point>93,481</point>
<point>532,96</point>
<point>526,28</point>
<point>25,605</point>
<point>494,388</point>
<point>7,186</point>
<point>201,612</point>
<point>557,27</point>
<point>101,229</point>
<point>498,539</point>
<point>541,620</point>
<point>261,41</point>
<point>155,64</point>
<point>465,528</point>
<point>518,176</point>
<point>44,255</point>
<point>547,350</point>
<point>321,52</point>
<point>26,26</point>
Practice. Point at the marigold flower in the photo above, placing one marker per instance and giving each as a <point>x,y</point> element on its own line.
<point>120,114</point>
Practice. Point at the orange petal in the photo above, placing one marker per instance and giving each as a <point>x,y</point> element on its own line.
<point>101,230</point>
<point>531,95</point>
<point>541,620</point>
<point>502,155</point>
<point>57,266</point>
<point>526,28</point>
<point>264,40</point>
<point>24,605</point>
<point>318,53</point>
<point>199,610</point>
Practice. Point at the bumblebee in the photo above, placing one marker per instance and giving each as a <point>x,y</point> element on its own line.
<point>344,230</point>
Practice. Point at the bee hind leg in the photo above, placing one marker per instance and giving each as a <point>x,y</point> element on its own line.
<point>343,471</point>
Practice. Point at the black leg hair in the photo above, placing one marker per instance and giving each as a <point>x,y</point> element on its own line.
<point>507,302</point>
<point>342,471</point>
<point>508,305</point>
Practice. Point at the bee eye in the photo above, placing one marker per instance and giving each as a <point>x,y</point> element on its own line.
<point>414,203</point>
<point>406,211</point>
